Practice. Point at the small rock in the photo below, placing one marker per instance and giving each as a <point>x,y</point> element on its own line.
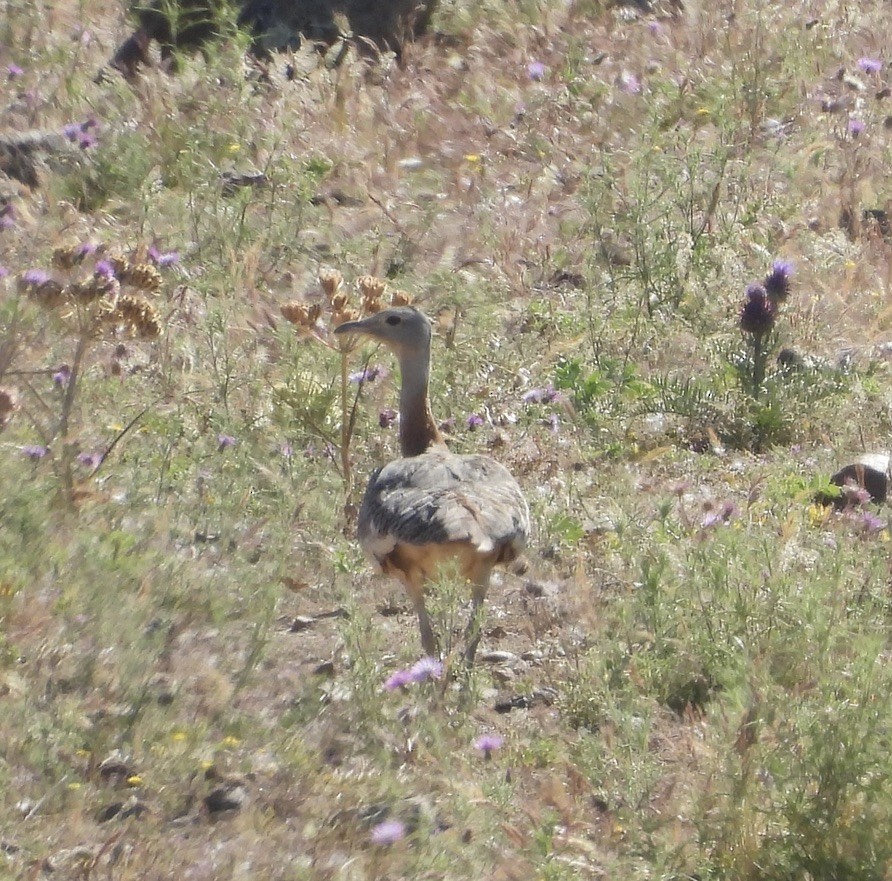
<point>498,657</point>
<point>326,668</point>
<point>301,622</point>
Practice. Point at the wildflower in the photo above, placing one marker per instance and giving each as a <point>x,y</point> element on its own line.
<point>553,421</point>
<point>387,417</point>
<point>62,376</point>
<point>104,268</point>
<point>488,744</point>
<point>3,272</point>
<point>856,127</point>
<point>35,277</point>
<point>536,71</point>
<point>286,450</point>
<point>90,460</point>
<point>388,832</point>
<point>757,315</point>
<point>870,65</point>
<point>629,83</point>
<point>426,668</point>
<point>399,679</point>
<point>777,282</point>
<point>134,780</point>
<point>34,451</point>
<point>168,258</point>
<point>7,216</point>
<point>224,441</point>
<point>541,395</point>
<point>718,514</point>
<point>475,420</point>
<point>13,71</point>
<point>872,523</point>
<point>655,28</point>
<point>370,374</point>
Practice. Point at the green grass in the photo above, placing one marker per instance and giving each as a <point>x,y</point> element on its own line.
<point>698,654</point>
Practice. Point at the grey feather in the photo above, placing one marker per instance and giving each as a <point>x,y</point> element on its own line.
<point>441,498</point>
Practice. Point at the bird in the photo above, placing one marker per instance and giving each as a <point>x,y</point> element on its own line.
<point>432,505</point>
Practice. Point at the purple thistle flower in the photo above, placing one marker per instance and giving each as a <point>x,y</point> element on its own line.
<point>870,65</point>
<point>872,523</point>
<point>426,668</point>
<point>35,277</point>
<point>85,249</point>
<point>757,315</point>
<point>90,460</point>
<point>86,141</point>
<point>387,417</point>
<point>475,420</point>
<point>13,70</point>
<point>370,374</point>
<point>34,451</point>
<point>856,127</point>
<point>163,259</point>
<point>286,449</point>
<point>3,272</point>
<point>62,376</point>
<point>7,216</point>
<point>777,282</point>
<point>398,679</point>
<point>388,832</point>
<point>224,441</point>
<point>71,130</point>
<point>541,395</point>
<point>536,71</point>
<point>87,124</point>
<point>104,269</point>
<point>488,744</point>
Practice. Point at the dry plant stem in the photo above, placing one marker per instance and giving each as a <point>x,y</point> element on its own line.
<point>345,428</point>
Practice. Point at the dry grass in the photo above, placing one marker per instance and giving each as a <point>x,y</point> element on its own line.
<point>693,679</point>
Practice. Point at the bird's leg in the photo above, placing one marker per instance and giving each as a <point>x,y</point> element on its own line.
<point>414,583</point>
<point>474,630</point>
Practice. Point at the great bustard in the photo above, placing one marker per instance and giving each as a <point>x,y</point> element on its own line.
<point>431,504</point>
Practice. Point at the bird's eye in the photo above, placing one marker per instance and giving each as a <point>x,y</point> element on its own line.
<point>393,319</point>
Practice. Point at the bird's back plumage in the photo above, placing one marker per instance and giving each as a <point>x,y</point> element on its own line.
<point>439,498</point>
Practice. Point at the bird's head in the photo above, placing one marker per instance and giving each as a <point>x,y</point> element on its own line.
<point>403,329</point>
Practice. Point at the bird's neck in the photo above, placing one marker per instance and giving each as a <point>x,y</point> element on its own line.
<point>418,431</point>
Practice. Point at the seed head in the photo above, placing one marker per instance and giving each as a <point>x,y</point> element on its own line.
<point>142,276</point>
<point>331,281</point>
<point>400,298</point>
<point>68,256</point>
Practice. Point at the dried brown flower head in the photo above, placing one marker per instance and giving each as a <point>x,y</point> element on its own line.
<point>68,256</point>
<point>142,276</point>
<point>94,288</point>
<point>370,287</point>
<point>331,281</point>
<point>400,298</point>
<point>343,315</point>
<point>301,315</point>
<point>50,294</point>
<point>9,403</point>
<point>338,302</point>
<point>138,314</point>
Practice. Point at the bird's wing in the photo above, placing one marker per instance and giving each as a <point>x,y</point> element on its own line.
<point>441,498</point>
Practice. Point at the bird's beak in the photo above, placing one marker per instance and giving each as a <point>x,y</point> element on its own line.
<point>365,327</point>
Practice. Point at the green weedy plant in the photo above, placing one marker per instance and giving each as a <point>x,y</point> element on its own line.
<point>82,308</point>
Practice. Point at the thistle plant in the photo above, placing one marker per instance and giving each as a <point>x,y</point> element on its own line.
<point>316,320</point>
<point>757,324</point>
<point>89,296</point>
